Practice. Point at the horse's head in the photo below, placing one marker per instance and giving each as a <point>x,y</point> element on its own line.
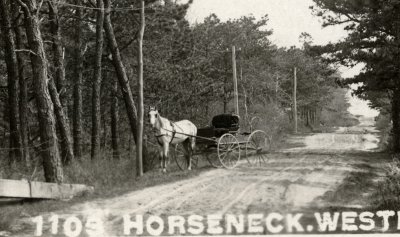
<point>153,113</point>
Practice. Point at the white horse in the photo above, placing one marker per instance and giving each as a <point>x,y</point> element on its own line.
<point>171,133</point>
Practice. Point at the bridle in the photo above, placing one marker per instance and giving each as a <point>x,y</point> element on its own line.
<point>158,117</point>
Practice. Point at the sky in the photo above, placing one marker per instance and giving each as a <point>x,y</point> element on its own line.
<point>288,19</point>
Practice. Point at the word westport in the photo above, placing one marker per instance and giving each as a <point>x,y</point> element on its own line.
<point>273,223</point>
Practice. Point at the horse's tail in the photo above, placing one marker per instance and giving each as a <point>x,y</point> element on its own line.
<point>193,138</point>
<point>193,143</point>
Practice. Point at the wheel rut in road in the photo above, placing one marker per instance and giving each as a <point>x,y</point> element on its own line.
<point>289,180</point>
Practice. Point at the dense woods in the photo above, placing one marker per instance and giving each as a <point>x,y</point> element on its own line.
<point>69,74</point>
<point>374,42</point>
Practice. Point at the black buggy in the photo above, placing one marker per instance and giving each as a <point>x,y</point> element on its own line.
<point>222,143</point>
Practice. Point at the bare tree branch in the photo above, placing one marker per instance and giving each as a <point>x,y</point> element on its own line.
<point>25,50</point>
<point>24,6</point>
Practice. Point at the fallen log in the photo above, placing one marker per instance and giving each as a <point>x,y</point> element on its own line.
<point>30,189</point>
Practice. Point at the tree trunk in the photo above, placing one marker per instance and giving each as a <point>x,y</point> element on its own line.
<point>114,121</point>
<point>120,70</point>
<point>49,149</point>
<point>105,132</point>
<point>57,49</point>
<point>95,149</point>
<point>396,120</point>
<point>122,76</point>
<point>55,87</point>
<point>139,139</point>
<point>66,142</point>
<point>295,100</point>
<point>77,106</point>
<point>23,90</point>
<point>12,75</point>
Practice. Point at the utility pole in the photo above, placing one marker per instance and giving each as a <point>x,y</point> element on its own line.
<point>242,81</point>
<point>295,100</point>
<point>140,117</point>
<point>276,88</point>
<point>235,84</point>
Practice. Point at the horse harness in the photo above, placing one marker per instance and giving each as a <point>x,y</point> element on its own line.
<point>161,135</point>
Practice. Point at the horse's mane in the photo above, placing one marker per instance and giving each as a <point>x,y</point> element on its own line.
<point>160,120</point>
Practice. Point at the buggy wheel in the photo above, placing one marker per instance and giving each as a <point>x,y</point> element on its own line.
<point>195,161</point>
<point>228,151</point>
<point>213,160</point>
<point>180,159</point>
<point>257,146</point>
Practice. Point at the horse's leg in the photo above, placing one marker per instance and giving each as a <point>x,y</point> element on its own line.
<point>161,157</point>
<point>165,154</point>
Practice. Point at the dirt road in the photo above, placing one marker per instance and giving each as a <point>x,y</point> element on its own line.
<point>324,171</point>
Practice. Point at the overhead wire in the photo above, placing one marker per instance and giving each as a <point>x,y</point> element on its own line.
<point>131,8</point>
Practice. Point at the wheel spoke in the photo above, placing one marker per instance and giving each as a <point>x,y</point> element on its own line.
<point>257,145</point>
<point>179,157</point>
<point>223,156</point>
<point>213,159</point>
<point>228,150</point>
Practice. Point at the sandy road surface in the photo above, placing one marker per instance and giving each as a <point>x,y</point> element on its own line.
<point>310,177</point>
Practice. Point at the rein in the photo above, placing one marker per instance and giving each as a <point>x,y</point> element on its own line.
<point>185,134</point>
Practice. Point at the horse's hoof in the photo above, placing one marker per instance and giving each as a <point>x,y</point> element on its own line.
<point>189,168</point>
<point>164,171</point>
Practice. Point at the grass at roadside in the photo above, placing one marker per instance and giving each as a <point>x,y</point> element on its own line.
<point>375,185</point>
<point>389,188</point>
<point>110,178</point>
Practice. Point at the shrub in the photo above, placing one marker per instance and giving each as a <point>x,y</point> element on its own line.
<point>390,188</point>
<point>101,173</point>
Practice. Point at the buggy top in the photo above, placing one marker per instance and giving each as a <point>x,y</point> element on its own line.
<point>220,124</point>
<point>228,121</point>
